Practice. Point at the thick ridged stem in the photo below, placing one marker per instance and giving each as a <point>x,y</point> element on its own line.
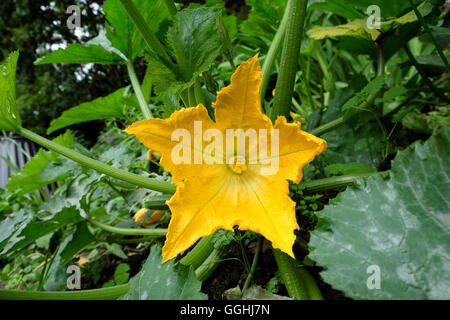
<point>123,175</point>
<point>272,54</point>
<point>289,59</point>
<point>111,293</point>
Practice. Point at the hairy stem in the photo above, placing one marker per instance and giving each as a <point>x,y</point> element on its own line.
<point>111,293</point>
<point>150,38</point>
<point>433,38</point>
<point>123,175</point>
<point>170,4</point>
<point>156,233</point>
<point>254,263</point>
<point>201,251</point>
<point>272,54</point>
<point>289,59</point>
<point>138,91</point>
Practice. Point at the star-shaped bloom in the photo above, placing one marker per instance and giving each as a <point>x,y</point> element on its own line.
<point>219,187</point>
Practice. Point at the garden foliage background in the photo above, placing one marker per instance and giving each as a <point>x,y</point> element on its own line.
<point>375,202</point>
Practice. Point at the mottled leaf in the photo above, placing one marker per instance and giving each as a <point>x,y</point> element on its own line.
<point>166,281</point>
<point>109,107</point>
<point>399,226</point>
<point>9,115</point>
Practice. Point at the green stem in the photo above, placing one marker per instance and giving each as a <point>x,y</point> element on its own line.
<point>184,95</point>
<point>272,54</point>
<point>311,285</point>
<point>227,47</point>
<point>157,203</point>
<point>171,7</point>
<point>427,29</point>
<point>334,183</point>
<point>288,270</point>
<point>135,240</point>
<point>138,91</point>
<point>192,99</point>
<point>156,233</point>
<point>289,58</point>
<point>150,38</point>
<point>206,269</point>
<point>329,126</point>
<point>111,293</point>
<point>200,253</point>
<point>254,263</point>
<point>119,174</point>
<point>324,66</point>
<point>367,104</point>
<point>380,60</point>
<point>199,97</point>
<point>424,76</point>
<point>306,80</point>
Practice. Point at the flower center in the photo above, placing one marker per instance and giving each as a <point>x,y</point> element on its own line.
<point>237,165</point>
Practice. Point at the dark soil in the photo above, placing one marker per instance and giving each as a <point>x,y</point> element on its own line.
<point>232,273</point>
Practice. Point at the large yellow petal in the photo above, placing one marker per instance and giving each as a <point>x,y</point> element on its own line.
<point>239,104</point>
<point>296,149</point>
<point>218,196</point>
<point>156,134</point>
<point>221,200</point>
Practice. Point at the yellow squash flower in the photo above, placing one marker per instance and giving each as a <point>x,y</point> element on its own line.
<point>219,195</point>
<point>155,217</point>
<point>140,214</point>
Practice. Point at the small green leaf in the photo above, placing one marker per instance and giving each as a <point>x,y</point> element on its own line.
<point>398,226</point>
<point>9,115</point>
<point>79,240</point>
<point>358,28</point>
<point>263,20</point>
<point>116,250</point>
<point>13,225</point>
<point>109,107</point>
<point>81,53</point>
<point>121,30</point>
<point>432,60</point>
<point>339,7</point>
<point>370,89</point>
<point>392,93</point>
<point>29,178</point>
<point>122,273</point>
<point>56,278</point>
<point>195,44</point>
<point>166,281</point>
<point>341,141</point>
<point>29,232</point>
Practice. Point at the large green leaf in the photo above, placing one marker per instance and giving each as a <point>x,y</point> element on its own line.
<point>121,30</point>
<point>400,225</point>
<point>30,231</point>
<point>263,19</point>
<point>120,41</point>
<point>109,107</point>
<point>77,242</point>
<point>166,281</point>
<point>358,28</point>
<point>352,9</point>
<point>98,50</point>
<point>13,224</point>
<point>29,178</point>
<point>339,7</point>
<point>9,116</point>
<point>195,44</point>
<point>359,140</point>
<point>389,8</point>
